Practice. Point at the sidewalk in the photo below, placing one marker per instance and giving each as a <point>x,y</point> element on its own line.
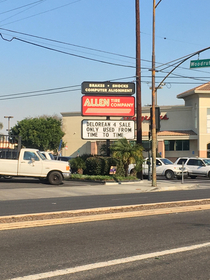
<point>66,190</point>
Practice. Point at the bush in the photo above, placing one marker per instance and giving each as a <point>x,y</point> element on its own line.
<point>99,165</point>
<point>93,166</point>
<point>77,165</point>
<point>120,169</point>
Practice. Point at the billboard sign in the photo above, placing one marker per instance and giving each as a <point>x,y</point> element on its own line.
<point>108,105</point>
<point>107,129</point>
<point>108,88</point>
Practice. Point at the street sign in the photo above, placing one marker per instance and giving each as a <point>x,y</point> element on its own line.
<point>107,129</point>
<point>108,105</point>
<point>200,63</point>
<point>108,88</point>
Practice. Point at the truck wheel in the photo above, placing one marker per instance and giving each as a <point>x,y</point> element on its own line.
<point>55,178</point>
<point>133,172</point>
<point>169,174</point>
<point>7,177</point>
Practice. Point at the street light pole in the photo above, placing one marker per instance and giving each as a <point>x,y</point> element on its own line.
<point>8,117</point>
<point>154,133</point>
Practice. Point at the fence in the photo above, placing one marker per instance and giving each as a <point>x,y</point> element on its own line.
<point>9,146</point>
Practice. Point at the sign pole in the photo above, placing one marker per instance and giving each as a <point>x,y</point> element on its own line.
<point>108,143</point>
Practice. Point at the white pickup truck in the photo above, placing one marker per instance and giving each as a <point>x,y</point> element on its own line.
<point>31,163</point>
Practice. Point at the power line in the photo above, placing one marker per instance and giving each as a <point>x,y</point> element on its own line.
<point>35,4</point>
<point>38,91</point>
<point>21,7</point>
<point>41,94</point>
<point>50,10</point>
<point>52,49</point>
<point>70,44</point>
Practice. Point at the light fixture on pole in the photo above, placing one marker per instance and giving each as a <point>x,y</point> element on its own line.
<point>8,117</point>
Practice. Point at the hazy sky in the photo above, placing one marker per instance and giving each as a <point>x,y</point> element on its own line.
<point>93,40</point>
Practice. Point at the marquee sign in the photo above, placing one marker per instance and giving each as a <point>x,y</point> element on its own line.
<point>108,88</point>
<point>107,129</point>
<point>108,105</point>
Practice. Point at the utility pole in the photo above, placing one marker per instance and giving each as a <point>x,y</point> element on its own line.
<point>138,76</point>
<point>154,133</point>
<point>138,81</point>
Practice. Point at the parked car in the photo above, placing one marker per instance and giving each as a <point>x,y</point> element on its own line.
<point>164,167</point>
<point>62,158</point>
<point>47,155</point>
<point>195,166</point>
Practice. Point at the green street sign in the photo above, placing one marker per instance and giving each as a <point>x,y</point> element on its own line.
<point>200,63</point>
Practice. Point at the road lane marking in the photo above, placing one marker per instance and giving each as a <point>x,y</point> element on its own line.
<point>82,268</point>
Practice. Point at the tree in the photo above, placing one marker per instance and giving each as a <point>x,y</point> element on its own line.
<point>43,133</point>
<point>1,125</point>
<point>127,153</point>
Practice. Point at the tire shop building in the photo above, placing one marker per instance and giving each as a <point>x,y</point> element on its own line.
<point>185,129</point>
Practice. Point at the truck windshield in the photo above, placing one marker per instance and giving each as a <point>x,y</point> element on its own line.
<point>166,161</point>
<point>207,161</point>
<point>51,156</point>
<point>41,155</point>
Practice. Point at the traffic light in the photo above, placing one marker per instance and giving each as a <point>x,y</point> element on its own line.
<point>157,117</point>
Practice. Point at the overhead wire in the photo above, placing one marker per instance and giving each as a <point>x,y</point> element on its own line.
<point>70,44</point>
<point>33,5</point>
<point>20,7</point>
<point>50,10</point>
<point>63,52</point>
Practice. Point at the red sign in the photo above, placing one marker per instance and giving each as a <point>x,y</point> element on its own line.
<point>108,105</point>
<point>147,118</point>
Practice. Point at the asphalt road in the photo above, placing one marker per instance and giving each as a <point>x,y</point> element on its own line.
<point>74,251</point>
<point>30,196</point>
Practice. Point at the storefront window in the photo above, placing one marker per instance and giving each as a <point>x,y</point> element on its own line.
<point>177,145</point>
<point>186,145</point>
<point>169,145</point>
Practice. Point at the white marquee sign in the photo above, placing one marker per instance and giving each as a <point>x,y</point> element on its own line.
<point>107,129</point>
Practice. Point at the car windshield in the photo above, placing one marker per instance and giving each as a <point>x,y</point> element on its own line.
<point>166,161</point>
<point>51,156</point>
<point>207,161</point>
<point>41,155</point>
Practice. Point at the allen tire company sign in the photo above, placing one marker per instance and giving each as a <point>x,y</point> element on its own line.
<point>106,99</point>
<point>108,106</point>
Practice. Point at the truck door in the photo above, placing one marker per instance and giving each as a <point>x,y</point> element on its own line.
<point>30,165</point>
<point>160,167</point>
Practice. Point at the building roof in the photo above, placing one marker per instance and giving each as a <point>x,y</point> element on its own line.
<point>176,133</point>
<point>173,133</point>
<point>205,88</point>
